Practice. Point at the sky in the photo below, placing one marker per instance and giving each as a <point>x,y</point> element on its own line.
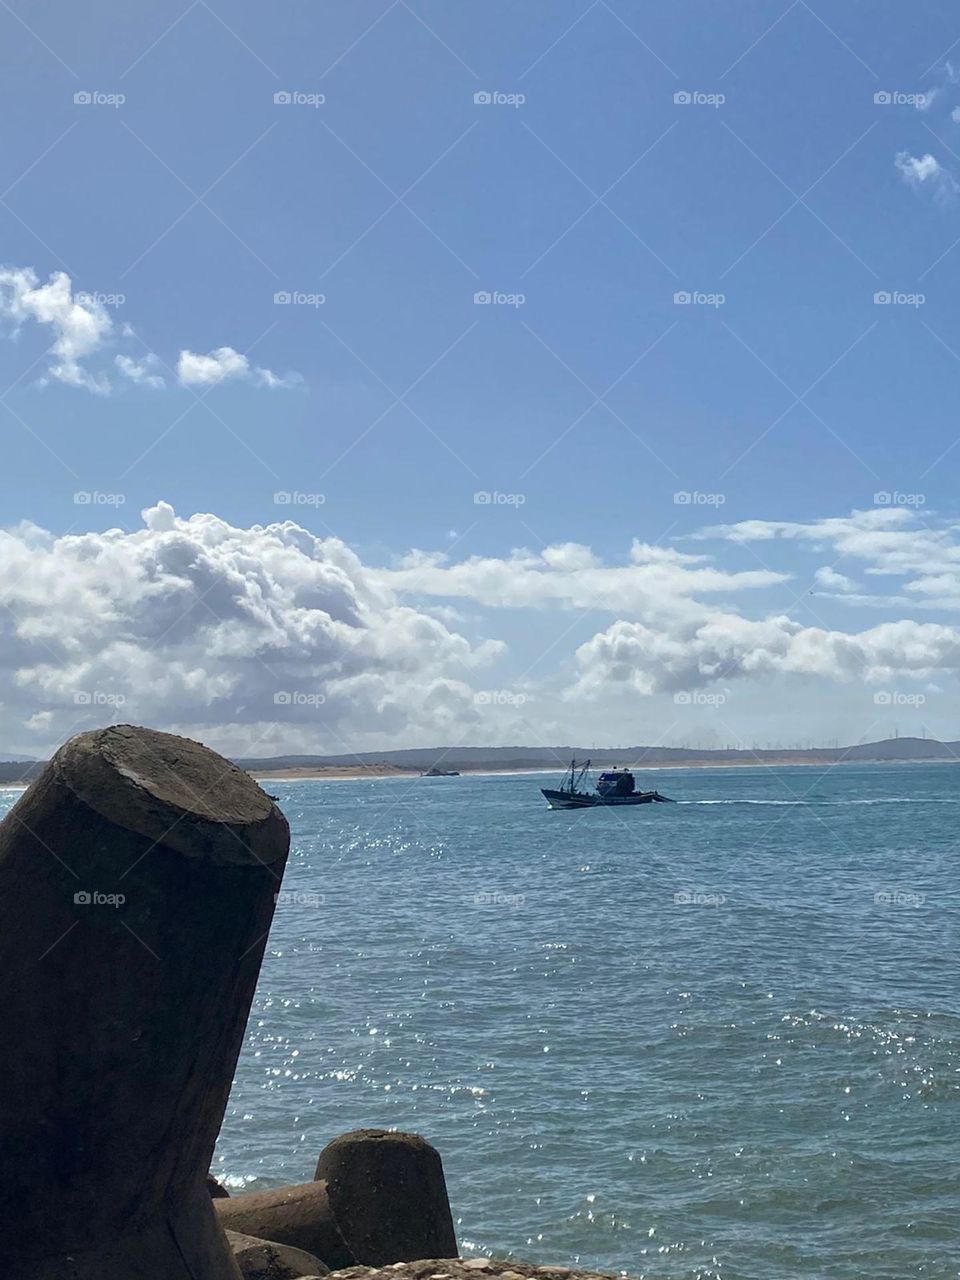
<point>402,373</point>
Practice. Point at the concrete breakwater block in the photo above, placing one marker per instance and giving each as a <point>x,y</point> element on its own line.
<point>298,1216</point>
<point>389,1196</point>
<point>380,1197</point>
<point>266,1260</point>
<point>137,884</point>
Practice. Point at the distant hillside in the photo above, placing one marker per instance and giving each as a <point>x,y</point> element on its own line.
<point>19,770</point>
<point>504,759</point>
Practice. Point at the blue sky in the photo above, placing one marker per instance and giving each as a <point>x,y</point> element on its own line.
<point>585,196</point>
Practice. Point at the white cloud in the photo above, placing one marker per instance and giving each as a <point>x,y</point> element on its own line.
<point>81,329</point>
<point>828,578</point>
<point>668,637</point>
<point>143,371</point>
<point>725,647</point>
<point>890,542</point>
<point>657,580</point>
<point>80,325</point>
<point>917,170</point>
<point>268,640</point>
<point>222,365</point>
<point>198,625</point>
<point>926,171</point>
<point>955,115</point>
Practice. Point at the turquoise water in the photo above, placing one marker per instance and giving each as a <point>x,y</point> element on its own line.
<point>715,1039</point>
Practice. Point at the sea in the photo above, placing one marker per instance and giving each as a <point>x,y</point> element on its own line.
<point>713,1039</point>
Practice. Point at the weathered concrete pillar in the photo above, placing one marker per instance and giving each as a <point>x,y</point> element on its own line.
<point>298,1216</point>
<point>137,883</point>
<point>380,1197</point>
<point>389,1196</point>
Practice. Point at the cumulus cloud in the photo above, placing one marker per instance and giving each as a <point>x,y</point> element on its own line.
<point>222,365</point>
<point>81,330</point>
<point>262,640</point>
<point>269,639</point>
<point>668,636</point>
<point>830,580</point>
<point>727,646</point>
<point>79,326</point>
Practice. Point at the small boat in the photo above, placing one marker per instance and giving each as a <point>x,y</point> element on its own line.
<point>615,788</point>
<point>440,773</point>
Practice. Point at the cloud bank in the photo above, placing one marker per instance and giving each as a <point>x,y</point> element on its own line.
<point>269,639</point>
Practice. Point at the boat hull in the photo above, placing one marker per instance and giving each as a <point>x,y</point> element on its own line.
<point>583,800</point>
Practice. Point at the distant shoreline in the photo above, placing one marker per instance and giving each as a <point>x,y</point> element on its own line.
<point>547,761</point>
<point>347,773</point>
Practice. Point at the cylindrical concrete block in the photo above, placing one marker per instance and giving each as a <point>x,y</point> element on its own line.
<point>298,1216</point>
<point>388,1196</point>
<point>137,884</point>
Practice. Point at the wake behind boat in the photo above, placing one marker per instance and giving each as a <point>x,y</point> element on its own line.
<point>615,788</point>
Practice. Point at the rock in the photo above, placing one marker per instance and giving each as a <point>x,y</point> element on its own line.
<point>388,1196</point>
<point>137,884</point>
<point>266,1260</point>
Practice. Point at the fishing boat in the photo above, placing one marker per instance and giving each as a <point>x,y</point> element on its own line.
<point>615,788</point>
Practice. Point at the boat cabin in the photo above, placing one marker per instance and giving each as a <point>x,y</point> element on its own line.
<point>616,782</point>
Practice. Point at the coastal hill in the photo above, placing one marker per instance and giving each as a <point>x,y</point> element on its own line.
<point>515,759</point>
